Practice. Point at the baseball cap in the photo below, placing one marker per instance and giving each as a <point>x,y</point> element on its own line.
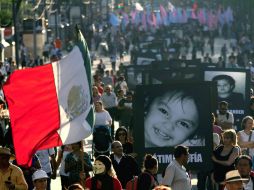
<point>39,174</point>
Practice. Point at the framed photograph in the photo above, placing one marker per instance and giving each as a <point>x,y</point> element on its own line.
<point>233,86</point>
<point>173,114</point>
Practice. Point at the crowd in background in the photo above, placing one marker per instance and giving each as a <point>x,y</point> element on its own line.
<point>115,165</point>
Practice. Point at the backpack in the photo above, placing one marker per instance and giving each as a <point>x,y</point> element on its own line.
<point>133,183</point>
<point>101,139</point>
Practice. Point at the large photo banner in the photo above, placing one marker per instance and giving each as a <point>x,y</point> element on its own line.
<point>167,115</point>
<point>234,88</point>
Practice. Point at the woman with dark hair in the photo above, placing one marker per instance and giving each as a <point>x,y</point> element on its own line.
<point>122,136</point>
<point>102,117</point>
<point>147,179</point>
<point>104,175</point>
<point>172,118</point>
<point>77,164</point>
<point>224,156</point>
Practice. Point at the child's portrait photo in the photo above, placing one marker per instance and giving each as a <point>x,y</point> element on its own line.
<point>173,116</point>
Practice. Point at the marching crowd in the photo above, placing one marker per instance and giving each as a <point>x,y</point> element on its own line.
<point>114,165</point>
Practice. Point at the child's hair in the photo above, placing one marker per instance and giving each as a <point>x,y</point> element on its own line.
<point>182,95</point>
<point>149,162</point>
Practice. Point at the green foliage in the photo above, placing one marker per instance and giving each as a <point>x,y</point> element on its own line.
<point>5,18</point>
<point>5,13</point>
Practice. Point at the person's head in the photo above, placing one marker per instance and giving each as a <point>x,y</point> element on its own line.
<point>76,146</point>
<point>129,96</point>
<point>120,93</point>
<point>5,155</point>
<point>162,187</point>
<point>103,165</point>
<point>121,135</point>
<point>95,90</point>
<point>234,181</point>
<point>121,78</point>
<point>107,89</point>
<point>229,137</point>
<point>223,107</point>
<point>170,119</point>
<point>247,123</point>
<point>98,106</point>
<point>181,153</point>
<point>150,163</point>
<point>75,186</point>
<point>243,164</point>
<point>39,178</point>
<point>225,85</point>
<point>117,148</point>
<point>107,72</point>
<point>252,104</point>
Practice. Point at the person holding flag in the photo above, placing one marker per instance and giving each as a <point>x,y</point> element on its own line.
<point>52,102</point>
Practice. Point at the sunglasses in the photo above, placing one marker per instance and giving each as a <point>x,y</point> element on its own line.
<point>121,134</point>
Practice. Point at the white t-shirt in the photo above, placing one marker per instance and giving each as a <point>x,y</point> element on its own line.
<point>44,157</point>
<point>102,118</point>
<point>245,138</point>
<point>248,186</point>
<point>176,177</point>
<point>223,118</point>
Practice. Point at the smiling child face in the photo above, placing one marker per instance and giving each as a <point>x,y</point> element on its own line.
<point>170,120</point>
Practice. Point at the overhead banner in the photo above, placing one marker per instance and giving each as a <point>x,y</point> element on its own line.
<point>167,115</point>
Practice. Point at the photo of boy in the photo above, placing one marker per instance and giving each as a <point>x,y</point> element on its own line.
<point>225,90</point>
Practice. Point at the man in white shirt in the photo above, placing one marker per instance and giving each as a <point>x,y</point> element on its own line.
<point>176,176</point>
<point>224,118</point>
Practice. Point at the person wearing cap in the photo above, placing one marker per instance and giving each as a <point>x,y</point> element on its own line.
<point>234,181</point>
<point>40,180</point>
<point>11,176</point>
<point>104,175</point>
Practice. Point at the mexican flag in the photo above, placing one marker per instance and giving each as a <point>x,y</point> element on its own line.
<point>51,105</point>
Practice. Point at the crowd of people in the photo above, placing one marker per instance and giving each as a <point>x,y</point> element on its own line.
<point>113,164</point>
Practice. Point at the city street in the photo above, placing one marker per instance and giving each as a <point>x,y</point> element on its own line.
<point>56,184</point>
